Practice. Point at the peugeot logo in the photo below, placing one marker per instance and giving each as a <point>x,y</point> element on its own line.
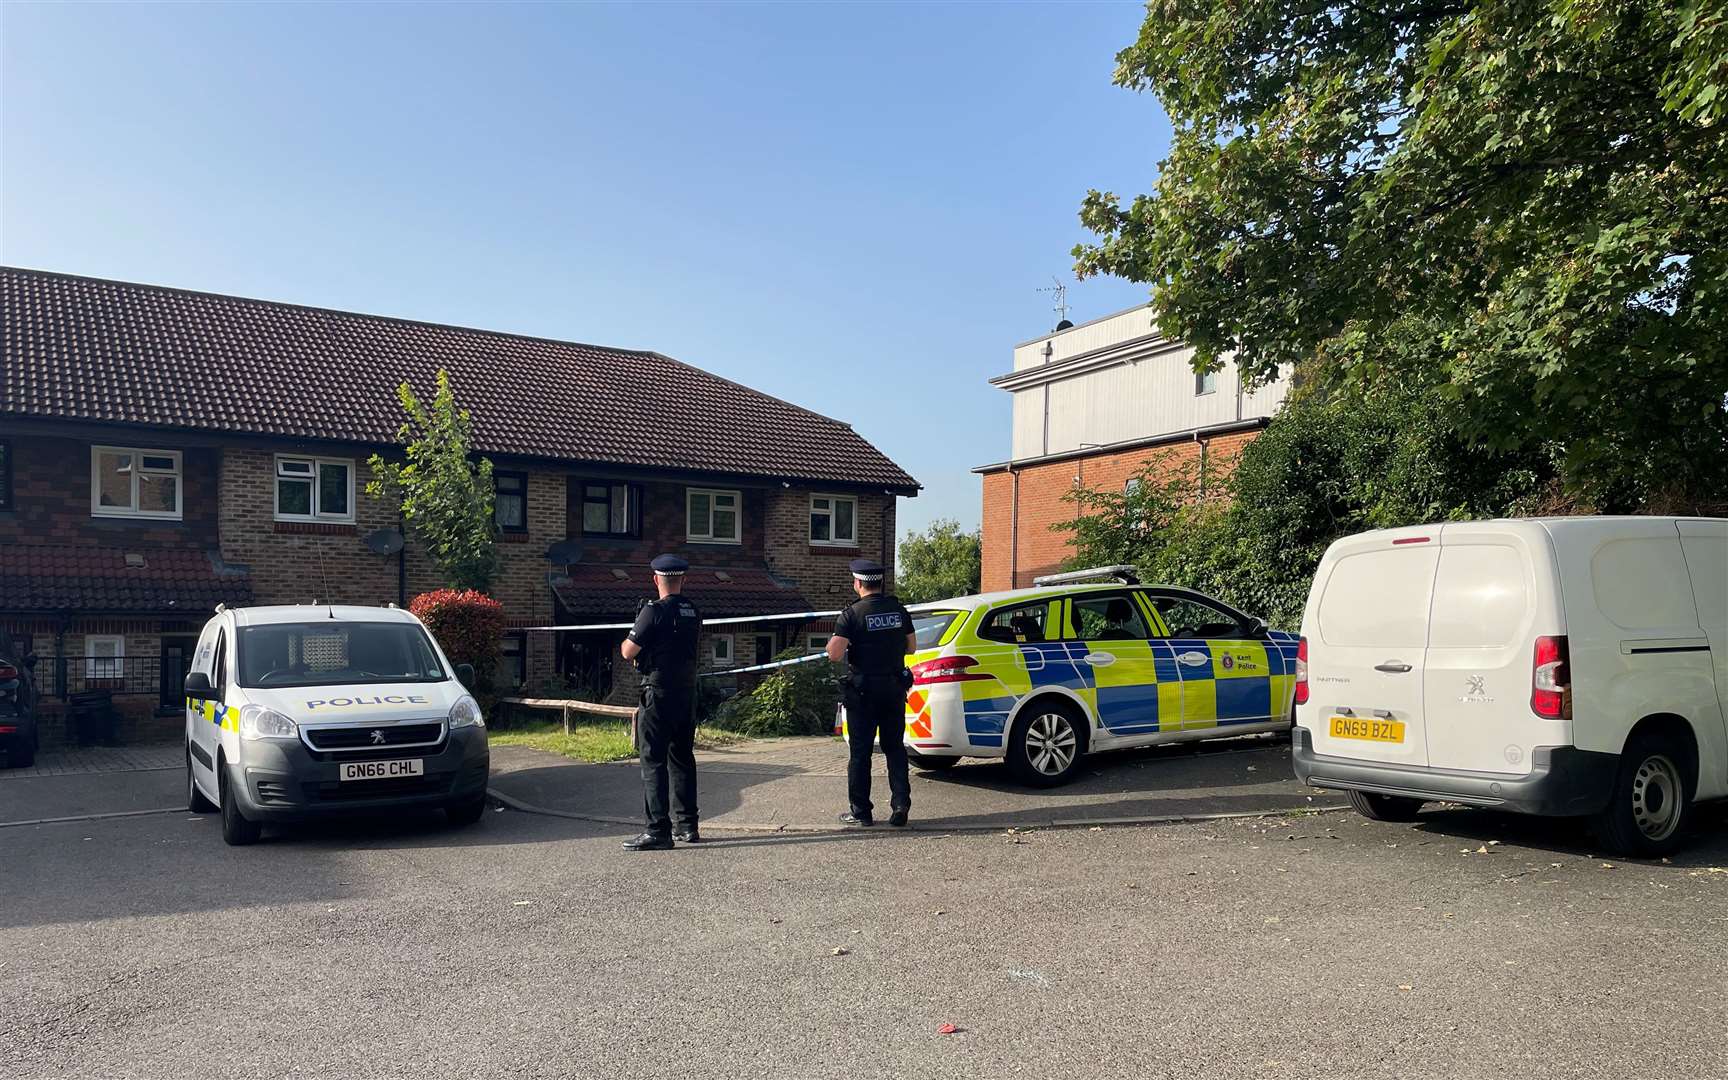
<point>377,737</point>
<point>1475,684</point>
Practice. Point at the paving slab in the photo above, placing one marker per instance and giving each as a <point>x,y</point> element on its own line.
<point>799,784</point>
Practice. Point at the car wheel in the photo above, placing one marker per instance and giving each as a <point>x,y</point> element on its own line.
<point>195,801</point>
<point>236,830</point>
<point>466,813</point>
<point>1046,745</point>
<point>933,762</point>
<point>1385,807</point>
<point>1647,813</point>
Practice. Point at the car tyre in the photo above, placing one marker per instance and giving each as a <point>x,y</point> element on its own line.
<point>465,813</point>
<point>1378,807</point>
<point>195,801</point>
<point>1651,805</point>
<point>236,830</point>
<point>1047,744</point>
<point>933,762</point>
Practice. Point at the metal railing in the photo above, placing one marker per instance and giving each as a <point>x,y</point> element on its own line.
<point>118,674</point>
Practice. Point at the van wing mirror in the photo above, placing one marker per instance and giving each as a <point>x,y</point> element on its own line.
<point>465,675</point>
<point>198,686</point>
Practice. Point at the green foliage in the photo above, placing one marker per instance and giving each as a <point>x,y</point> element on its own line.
<point>938,563</point>
<point>1520,204</point>
<point>1326,467</point>
<point>796,700</point>
<point>445,496</point>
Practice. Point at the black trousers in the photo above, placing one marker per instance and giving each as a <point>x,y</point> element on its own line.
<point>876,705</point>
<point>667,737</point>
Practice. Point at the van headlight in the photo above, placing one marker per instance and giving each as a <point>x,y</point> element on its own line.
<point>257,722</point>
<point>466,713</point>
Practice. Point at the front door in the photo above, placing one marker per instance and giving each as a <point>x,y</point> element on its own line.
<point>176,662</point>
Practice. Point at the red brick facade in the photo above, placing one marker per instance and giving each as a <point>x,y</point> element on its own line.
<point>1022,503</point>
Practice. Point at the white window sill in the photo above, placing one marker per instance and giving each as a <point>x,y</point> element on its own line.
<point>138,515</point>
<point>703,540</point>
<point>834,543</point>
<point>315,520</point>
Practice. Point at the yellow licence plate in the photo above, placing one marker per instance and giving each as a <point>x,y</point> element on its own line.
<point>1355,727</point>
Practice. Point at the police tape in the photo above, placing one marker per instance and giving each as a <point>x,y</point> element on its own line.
<point>763,667</point>
<point>737,619</point>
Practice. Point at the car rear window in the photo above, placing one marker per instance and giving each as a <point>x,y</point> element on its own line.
<point>1379,598</point>
<point>931,625</point>
<point>1481,597</point>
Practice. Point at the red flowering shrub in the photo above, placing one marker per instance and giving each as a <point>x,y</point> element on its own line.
<point>467,624</point>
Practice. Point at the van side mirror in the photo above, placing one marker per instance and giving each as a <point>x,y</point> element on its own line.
<point>465,675</point>
<point>198,686</point>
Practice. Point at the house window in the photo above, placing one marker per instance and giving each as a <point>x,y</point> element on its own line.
<point>834,520</point>
<point>1205,382</point>
<point>713,516</point>
<point>314,489</point>
<point>816,642</point>
<point>611,509</point>
<point>104,657</point>
<point>510,501</point>
<point>5,475</point>
<point>127,482</point>
<point>512,670</point>
<point>720,650</point>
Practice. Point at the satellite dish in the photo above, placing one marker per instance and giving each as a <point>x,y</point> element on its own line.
<point>564,552</point>
<point>384,541</point>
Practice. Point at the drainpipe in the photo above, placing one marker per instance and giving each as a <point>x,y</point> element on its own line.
<point>1014,531</point>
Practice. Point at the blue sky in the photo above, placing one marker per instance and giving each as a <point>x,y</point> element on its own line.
<point>847,206</point>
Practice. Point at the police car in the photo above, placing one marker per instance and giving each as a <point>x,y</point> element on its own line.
<point>1046,675</point>
<point>313,711</point>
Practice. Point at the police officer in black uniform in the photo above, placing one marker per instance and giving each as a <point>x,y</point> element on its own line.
<point>874,635</point>
<point>663,646</point>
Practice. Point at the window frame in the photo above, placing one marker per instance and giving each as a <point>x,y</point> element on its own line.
<point>632,509</point>
<point>1074,632</point>
<point>1205,382</point>
<point>117,673</point>
<point>518,659</point>
<point>710,537</point>
<point>833,513</point>
<point>714,657</point>
<point>816,642</point>
<point>511,474</point>
<point>137,469</point>
<point>316,479</point>
<point>1053,619</point>
<point>1244,621</point>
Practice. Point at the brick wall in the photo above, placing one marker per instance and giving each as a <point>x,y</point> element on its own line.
<point>824,574</point>
<point>1041,549</point>
<point>51,498</point>
<point>665,528</point>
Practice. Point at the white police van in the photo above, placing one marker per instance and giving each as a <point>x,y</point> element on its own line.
<point>301,712</point>
<point>1556,666</point>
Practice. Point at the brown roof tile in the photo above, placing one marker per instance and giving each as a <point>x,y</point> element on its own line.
<point>42,578</point>
<point>87,349</point>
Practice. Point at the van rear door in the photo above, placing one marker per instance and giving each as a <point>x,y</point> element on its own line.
<point>1487,612</point>
<point>1366,647</point>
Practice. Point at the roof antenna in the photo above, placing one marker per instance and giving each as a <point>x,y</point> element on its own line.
<point>324,579</point>
<point>1059,293</point>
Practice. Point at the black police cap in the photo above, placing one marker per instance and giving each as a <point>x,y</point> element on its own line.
<point>669,565</point>
<point>868,570</point>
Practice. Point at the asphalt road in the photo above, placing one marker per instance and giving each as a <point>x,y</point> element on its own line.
<point>1321,946</point>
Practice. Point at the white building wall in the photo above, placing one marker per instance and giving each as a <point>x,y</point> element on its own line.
<point>1134,386</point>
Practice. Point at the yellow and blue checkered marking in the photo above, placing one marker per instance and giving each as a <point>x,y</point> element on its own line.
<point>228,719</point>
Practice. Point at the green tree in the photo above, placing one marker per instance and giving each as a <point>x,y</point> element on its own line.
<point>444,492</point>
<point>1521,205</point>
<point>938,563</point>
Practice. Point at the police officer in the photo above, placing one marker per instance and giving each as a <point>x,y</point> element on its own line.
<point>873,636</point>
<point>663,646</point>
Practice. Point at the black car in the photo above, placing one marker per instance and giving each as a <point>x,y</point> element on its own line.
<point>18,736</point>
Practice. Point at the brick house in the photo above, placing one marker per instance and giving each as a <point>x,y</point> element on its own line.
<point>1093,405</point>
<point>162,451</point>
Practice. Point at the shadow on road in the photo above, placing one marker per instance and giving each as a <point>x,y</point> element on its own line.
<point>1707,844</point>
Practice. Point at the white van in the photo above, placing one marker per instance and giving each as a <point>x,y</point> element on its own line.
<point>311,711</point>
<point>1562,666</point>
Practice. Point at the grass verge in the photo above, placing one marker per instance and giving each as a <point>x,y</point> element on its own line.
<point>596,742</point>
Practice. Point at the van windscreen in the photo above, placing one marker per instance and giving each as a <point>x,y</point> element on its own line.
<point>335,653</point>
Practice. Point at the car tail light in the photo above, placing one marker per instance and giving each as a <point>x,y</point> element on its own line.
<point>946,669</point>
<point>8,673</point>
<point>1302,671</point>
<point>1551,679</point>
